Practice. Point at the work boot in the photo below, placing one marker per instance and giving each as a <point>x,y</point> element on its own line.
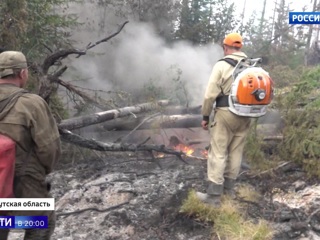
<point>229,188</point>
<point>213,195</point>
<point>212,200</point>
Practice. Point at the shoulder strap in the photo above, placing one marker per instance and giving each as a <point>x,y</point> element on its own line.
<point>13,97</point>
<point>231,61</point>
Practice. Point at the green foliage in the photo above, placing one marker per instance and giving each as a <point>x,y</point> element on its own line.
<point>283,75</point>
<point>204,21</point>
<point>299,105</point>
<point>58,108</point>
<point>36,27</point>
<point>256,150</point>
<point>178,93</point>
<point>229,220</point>
<point>252,150</point>
<point>161,14</point>
<point>152,91</point>
<point>302,120</point>
<point>273,38</point>
<point>12,22</point>
<point>33,26</point>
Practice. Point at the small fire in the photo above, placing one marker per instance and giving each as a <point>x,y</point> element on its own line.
<point>159,155</point>
<point>185,149</point>
<point>204,153</point>
<point>188,150</point>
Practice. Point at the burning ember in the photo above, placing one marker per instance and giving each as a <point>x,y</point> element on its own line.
<point>185,149</point>
<point>190,151</point>
<point>204,153</point>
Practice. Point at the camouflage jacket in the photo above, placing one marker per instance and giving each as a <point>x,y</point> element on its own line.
<point>29,122</point>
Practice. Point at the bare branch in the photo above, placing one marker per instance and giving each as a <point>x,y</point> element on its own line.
<point>52,59</point>
<point>132,131</point>
<point>78,140</point>
<point>60,72</point>
<point>46,88</point>
<point>282,166</point>
<point>73,89</point>
<point>107,38</point>
<point>57,56</point>
<point>59,214</point>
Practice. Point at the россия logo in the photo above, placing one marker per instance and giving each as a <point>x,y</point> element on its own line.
<point>304,17</point>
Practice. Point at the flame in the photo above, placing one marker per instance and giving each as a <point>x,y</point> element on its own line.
<point>185,149</point>
<point>204,153</point>
<point>159,155</point>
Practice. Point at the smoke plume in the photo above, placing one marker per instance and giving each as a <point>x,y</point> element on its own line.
<point>137,56</point>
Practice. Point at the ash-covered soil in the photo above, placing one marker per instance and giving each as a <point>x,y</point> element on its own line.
<point>133,196</point>
<point>144,195</point>
<point>146,191</point>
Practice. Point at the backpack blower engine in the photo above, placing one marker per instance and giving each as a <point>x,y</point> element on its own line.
<point>252,89</point>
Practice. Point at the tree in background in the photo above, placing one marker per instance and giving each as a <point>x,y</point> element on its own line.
<point>198,21</point>
<point>37,28</point>
<point>312,50</point>
<point>161,14</point>
<point>189,21</point>
<point>12,23</point>
<point>204,21</point>
<point>33,26</point>
<point>273,38</point>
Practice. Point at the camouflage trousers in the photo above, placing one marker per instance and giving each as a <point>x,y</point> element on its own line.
<point>27,187</point>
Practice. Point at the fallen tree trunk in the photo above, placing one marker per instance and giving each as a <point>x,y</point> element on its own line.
<point>80,122</point>
<point>162,121</point>
<point>78,140</point>
<point>177,110</point>
<point>175,117</point>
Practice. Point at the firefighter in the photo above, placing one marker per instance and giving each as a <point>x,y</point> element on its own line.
<point>28,121</point>
<point>227,130</point>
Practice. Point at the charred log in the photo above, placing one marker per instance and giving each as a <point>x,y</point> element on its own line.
<point>70,137</point>
<point>177,110</point>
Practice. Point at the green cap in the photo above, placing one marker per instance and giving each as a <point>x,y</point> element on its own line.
<point>10,60</point>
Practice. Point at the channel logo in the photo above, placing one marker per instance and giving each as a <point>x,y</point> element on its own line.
<point>304,17</point>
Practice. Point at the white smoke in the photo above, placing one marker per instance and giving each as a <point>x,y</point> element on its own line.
<point>136,56</point>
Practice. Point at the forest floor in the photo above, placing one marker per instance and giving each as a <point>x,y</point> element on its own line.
<point>121,195</point>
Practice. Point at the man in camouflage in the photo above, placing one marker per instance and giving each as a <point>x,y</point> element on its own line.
<point>28,121</point>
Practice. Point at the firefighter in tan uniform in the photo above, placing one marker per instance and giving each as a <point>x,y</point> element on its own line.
<point>227,130</point>
<point>28,121</point>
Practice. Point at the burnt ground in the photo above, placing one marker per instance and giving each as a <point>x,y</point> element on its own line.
<point>152,191</point>
<point>132,196</point>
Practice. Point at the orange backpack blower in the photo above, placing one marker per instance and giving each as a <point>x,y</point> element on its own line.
<point>252,89</point>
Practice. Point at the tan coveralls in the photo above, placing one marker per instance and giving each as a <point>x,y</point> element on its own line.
<point>227,130</point>
<point>30,124</point>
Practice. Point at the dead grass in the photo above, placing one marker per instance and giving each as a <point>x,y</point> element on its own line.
<point>247,193</point>
<point>229,222</point>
